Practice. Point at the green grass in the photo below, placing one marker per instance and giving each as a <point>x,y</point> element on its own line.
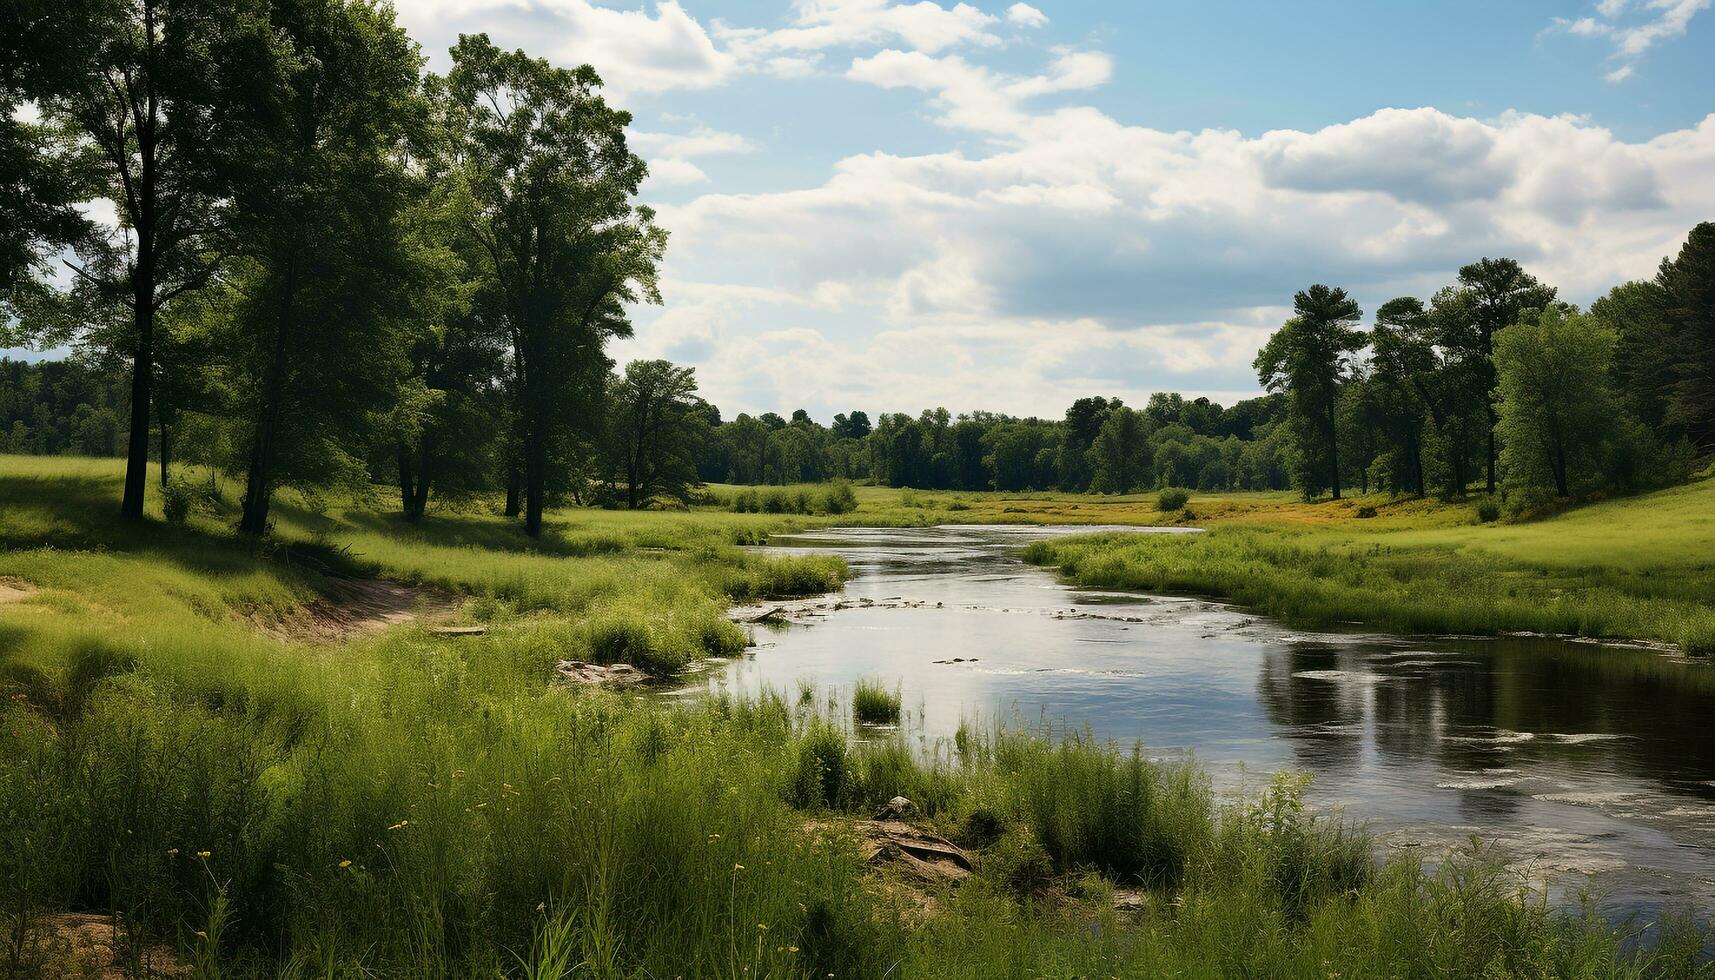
<point>408,804</point>
<point>1637,568</point>
<point>874,704</point>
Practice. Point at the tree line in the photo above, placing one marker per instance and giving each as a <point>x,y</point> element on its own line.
<point>1498,382</point>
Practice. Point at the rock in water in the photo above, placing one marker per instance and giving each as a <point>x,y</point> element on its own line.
<point>588,674</point>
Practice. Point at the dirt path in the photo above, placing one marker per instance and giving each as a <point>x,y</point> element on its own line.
<point>349,608</point>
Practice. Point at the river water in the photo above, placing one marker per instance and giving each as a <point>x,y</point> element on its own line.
<point>1590,767</point>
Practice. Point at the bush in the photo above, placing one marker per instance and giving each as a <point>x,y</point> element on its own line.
<point>1172,498</point>
<point>177,498</point>
<point>776,501</point>
<point>839,498</point>
<point>1366,512</point>
<point>873,704</point>
<point>746,502</point>
<point>1488,511</point>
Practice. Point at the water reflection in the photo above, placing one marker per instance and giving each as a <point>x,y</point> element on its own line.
<point>1590,764</point>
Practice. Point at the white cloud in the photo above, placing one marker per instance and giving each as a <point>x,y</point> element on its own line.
<point>1024,15</point>
<point>670,154</point>
<point>1079,254</point>
<point>820,24</point>
<point>641,50</point>
<point>1663,21</point>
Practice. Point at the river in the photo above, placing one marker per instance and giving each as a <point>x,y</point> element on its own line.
<point>1591,767</point>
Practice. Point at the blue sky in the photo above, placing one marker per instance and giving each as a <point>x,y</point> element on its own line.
<point>893,206</point>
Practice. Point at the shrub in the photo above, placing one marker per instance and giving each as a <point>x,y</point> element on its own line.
<point>1488,511</point>
<point>1172,498</point>
<point>1366,512</point>
<point>873,704</point>
<point>746,502</point>
<point>839,498</point>
<point>776,501</point>
<point>177,498</point>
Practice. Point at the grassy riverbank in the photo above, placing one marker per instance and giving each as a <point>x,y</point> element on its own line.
<point>212,744</point>
<point>1635,568</point>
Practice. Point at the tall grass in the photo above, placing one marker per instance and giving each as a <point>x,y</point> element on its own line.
<point>1410,583</point>
<point>874,704</point>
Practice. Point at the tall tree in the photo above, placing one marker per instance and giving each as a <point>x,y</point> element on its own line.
<point>1500,291</point>
<point>546,164</point>
<point>1687,285</point>
<point>156,86</point>
<point>1402,363</point>
<point>326,277</point>
<point>1119,457</point>
<point>654,425</point>
<point>1306,359</point>
<point>42,176</point>
<point>1556,406</point>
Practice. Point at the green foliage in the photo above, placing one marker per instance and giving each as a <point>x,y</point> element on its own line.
<point>177,498</point>
<point>1557,412</point>
<point>1306,359</point>
<point>1172,498</point>
<point>1624,569</point>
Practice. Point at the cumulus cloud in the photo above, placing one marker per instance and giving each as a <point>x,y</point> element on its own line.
<point>670,154</point>
<point>1024,15</point>
<point>1631,37</point>
<point>819,24</point>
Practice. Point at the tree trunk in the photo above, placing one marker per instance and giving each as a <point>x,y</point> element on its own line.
<point>166,448</point>
<point>535,479</point>
<point>1333,450</point>
<point>1492,422</point>
<point>407,483</point>
<point>513,488</point>
<point>142,374</point>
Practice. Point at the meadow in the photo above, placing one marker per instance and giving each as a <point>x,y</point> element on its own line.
<point>194,746</point>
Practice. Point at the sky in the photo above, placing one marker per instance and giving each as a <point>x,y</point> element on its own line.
<point>1005,206</point>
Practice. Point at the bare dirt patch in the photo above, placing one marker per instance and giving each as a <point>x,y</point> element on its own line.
<point>349,608</point>
<point>14,589</point>
<point>76,944</point>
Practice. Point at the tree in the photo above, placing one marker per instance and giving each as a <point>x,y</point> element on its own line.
<point>545,162</point>
<point>1687,285</point>
<point>1119,457</point>
<point>41,177</point>
<point>654,425</point>
<point>156,86</point>
<point>1306,359</point>
<point>327,280</point>
<point>1083,423</point>
<point>853,426</point>
<point>1401,364</point>
<point>1556,407</point>
<point>1500,292</point>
